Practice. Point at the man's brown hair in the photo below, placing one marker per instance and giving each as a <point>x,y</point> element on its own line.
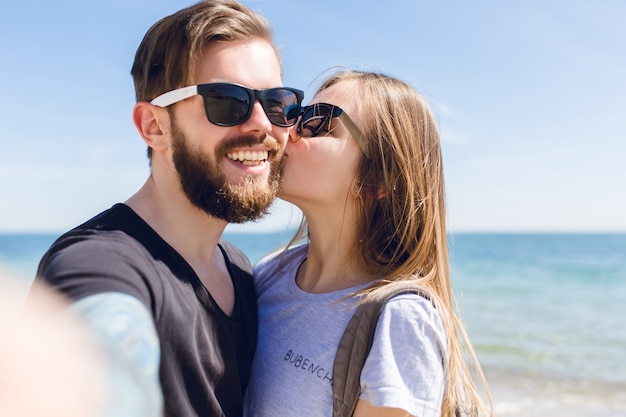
<point>169,52</point>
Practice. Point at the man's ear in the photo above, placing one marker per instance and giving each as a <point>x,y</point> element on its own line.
<point>152,123</point>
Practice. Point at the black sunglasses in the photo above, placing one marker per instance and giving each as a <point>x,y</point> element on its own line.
<point>229,104</point>
<point>315,121</point>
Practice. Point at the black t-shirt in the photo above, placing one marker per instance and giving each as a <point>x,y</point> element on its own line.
<point>205,354</point>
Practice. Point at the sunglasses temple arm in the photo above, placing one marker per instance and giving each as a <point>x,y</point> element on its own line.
<point>175,96</point>
<point>356,132</point>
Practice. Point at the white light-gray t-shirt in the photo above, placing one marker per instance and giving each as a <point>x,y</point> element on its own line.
<point>298,336</point>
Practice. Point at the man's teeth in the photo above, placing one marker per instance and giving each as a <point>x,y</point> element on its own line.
<point>249,157</point>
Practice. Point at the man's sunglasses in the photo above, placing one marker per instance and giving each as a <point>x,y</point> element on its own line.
<point>229,104</point>
<point>315,120</point>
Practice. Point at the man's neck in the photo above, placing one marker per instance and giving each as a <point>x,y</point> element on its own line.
<point>190,231</point>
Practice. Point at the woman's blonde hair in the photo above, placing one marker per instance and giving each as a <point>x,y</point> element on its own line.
<point>401,219</point>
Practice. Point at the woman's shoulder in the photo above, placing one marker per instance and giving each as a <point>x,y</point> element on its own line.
<point>408,357</point>
<point>411,318</point>
<point>412,308</point>
<point>282,256</point>
<point>278,263</point>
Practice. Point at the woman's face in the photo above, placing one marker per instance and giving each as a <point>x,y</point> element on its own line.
<point>321,170</point>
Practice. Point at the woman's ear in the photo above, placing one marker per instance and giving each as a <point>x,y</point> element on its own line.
<point>382,193</point>
<point>358,189</point>
<point>152,123</point>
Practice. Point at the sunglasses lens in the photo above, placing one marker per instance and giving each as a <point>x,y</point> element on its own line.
<point>227,105</point>
<point>315,121</point>
<point>281,105</point>
<point>231,104</point>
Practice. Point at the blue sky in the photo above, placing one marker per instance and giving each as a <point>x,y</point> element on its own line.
<point>530,97</point>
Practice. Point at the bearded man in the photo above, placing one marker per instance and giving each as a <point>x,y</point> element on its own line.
<point>171,303</point>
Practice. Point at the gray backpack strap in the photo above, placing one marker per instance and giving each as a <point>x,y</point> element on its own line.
<point>356,343</point>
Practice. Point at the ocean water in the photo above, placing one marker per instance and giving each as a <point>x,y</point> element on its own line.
<point>20,253</point>
<point>546,313</point>
<point>548,303</point>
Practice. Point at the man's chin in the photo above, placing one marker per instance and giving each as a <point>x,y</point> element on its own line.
<point>243,203</point>
<point>258,181</point>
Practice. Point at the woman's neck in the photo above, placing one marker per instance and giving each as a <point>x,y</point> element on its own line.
<point>330,262</point>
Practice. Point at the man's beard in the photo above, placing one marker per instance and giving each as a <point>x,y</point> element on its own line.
<point>207,188</point>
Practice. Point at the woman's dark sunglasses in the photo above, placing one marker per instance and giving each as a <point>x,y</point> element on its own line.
<point>229,104</point>
<point>315,120</point>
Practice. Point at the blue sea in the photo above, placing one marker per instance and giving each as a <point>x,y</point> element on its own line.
<point>546,313</point>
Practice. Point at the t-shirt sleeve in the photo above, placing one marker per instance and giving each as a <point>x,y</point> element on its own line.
<point>80,265</point>
<point>405,367</point>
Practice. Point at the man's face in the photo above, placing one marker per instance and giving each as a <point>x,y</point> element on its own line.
<point>206,186</point>
<point>231,173</point>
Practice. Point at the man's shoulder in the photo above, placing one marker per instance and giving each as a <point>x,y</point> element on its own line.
<point>235,257</point>
<point>92,259</point>
<point>117,217</point>
<point>105,229</point>
<point>108,238</point>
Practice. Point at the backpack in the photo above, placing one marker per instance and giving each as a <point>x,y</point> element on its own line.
<point>356,343</point>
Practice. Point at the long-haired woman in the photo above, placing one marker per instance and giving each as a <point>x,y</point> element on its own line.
<point>364,165</point>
